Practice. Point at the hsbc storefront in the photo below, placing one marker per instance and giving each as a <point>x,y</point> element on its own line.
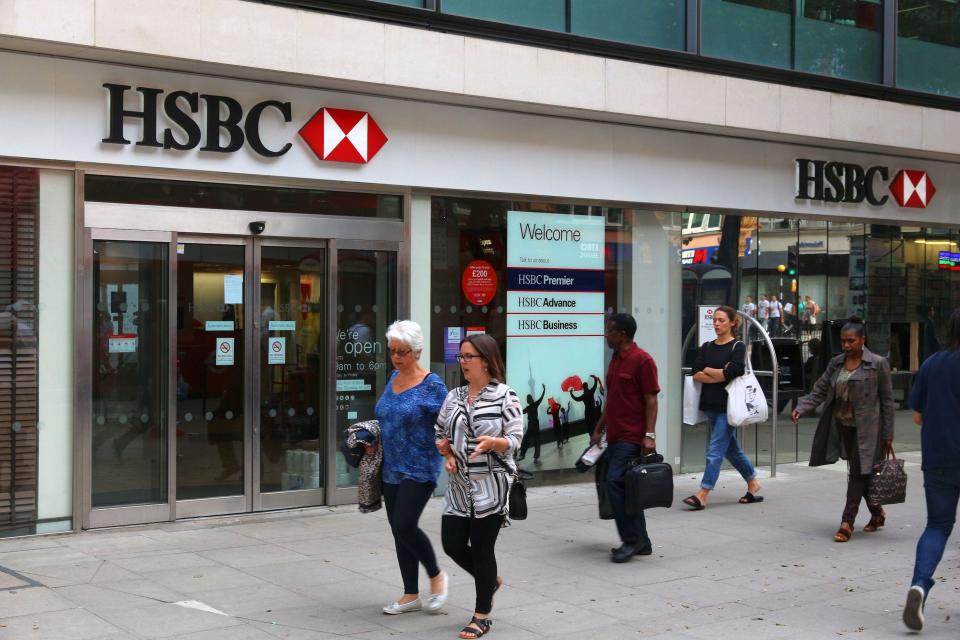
<point>215,263</point>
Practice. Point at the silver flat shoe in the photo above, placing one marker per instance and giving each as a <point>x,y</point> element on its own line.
<point>436,601</point>
<point>395,608</point>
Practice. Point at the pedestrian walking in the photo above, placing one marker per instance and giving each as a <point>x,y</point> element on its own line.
<point>478,431</point>
<point>935,400</point>
<point>407,412</point>
<point>763,312</point>
<point>775,315</point>
<point>857,420</point>
<point>630,417</point>
<point>718,362</point>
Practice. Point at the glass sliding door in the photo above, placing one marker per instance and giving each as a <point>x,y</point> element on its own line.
<point>211,376</point>
<point>292,367</point>
<point>129,372</point>
<point>366,305</point>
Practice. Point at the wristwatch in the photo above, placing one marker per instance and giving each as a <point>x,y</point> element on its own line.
<point>652,436</point>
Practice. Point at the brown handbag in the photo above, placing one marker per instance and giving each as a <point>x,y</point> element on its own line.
<point>888,484</point>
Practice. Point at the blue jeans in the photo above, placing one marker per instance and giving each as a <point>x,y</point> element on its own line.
<point>632,529</point>
<point>942,490</point>
<point>723,444</point>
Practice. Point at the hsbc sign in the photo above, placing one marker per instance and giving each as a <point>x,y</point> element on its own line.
<point>220,124</point>
<point>824,181</point>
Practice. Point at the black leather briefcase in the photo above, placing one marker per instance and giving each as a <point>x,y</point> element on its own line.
<point>648,485</point>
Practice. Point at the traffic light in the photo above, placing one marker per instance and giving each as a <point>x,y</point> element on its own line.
<point>793,260</point>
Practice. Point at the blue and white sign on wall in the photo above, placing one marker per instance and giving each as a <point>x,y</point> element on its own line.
<point>555,309</point>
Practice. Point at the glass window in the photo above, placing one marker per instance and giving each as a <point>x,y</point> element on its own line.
<point>406,3</point>
<point>756,31</point>
<point>656,23</point>
<point>240,197</point>
<point>928,46</point>
<point>840,38</point>
<point>539,14</point>
<point>551,333</point>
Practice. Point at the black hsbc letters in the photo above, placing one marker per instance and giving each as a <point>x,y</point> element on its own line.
<point>222,130</point>
<point>839,182</point>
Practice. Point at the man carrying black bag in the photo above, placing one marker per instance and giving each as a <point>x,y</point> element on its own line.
<point>630,418</point>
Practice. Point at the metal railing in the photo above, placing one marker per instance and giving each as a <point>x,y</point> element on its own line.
<point>750,321</point>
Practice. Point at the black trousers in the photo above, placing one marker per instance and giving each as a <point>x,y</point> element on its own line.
<point>857,480</point>
<point>471,543</point>
<point>405,502</point>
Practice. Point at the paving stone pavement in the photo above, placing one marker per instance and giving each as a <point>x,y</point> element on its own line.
<point>768,570</point>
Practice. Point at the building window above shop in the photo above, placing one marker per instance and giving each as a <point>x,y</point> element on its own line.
<point>237,197</point>
<point>654,23</point>
<point>928,46</point>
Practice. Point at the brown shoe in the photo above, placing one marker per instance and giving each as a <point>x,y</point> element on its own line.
<point>876,522</point>
<point>844,533</point>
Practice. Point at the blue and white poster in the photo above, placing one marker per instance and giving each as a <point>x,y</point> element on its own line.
<point>555,321</point>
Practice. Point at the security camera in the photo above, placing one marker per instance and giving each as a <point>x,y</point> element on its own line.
<point>257,227</point>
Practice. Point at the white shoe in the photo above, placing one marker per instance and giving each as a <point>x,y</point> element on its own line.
<point>395,608</point>
<point>913,609</point>
<point>436,601</point>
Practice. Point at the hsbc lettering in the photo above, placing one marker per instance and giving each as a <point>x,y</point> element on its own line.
<point>851,183</point>
<point>223,115</point>
<point>839,182</point>
<point>220,124</point>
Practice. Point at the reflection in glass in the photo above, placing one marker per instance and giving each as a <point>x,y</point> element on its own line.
<point>292,298</point>
<point>840,38</point>
<point>928,46</point>
<point>210,380</point>
<point>367,286</point>
<point>539,14</point>
<point>756,31</point>
<point>654,23</point>
<point>129,376</point>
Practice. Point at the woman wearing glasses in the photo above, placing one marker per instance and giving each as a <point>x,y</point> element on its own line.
<point>407,412</point>
<point>478,431</point>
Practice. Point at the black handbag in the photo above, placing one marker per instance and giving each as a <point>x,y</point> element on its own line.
<point>888,484</point>
<point>517,501</point>
<point>649,484</point>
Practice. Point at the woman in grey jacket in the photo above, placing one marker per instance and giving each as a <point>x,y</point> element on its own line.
<point>857,420</point>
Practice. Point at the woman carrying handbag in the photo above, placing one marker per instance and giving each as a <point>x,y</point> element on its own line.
<point>857,420</point>
<point>478,431</point>
<point>718,362</point>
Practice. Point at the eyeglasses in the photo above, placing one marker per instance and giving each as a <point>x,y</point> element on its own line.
<point>400,353</point>
<point>466,357</point>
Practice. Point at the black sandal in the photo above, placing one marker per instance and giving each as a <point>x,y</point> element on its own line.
<point>694,503</point>
<point>749,498</point>
<point>481,629</point>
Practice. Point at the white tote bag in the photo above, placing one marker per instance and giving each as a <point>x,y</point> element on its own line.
<point>691,402</point>
<point>746,403</point>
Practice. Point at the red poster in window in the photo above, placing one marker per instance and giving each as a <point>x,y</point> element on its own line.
<point>479,282</point>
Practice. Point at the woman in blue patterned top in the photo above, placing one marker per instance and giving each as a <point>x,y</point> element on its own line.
<point>407,412</point>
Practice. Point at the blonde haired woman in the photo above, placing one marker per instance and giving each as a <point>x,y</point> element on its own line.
<point>407,412</point>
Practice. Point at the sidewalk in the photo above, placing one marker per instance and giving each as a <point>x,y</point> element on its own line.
<point>768,570</point>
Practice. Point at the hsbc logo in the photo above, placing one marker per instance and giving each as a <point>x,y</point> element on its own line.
<point>221,125</point>
<point>824,181</point>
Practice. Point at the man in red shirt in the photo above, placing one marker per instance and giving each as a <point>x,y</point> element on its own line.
<point>630,417</point>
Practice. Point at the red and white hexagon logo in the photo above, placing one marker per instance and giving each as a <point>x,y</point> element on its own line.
<point>913,189</point>
<point>343,135</point>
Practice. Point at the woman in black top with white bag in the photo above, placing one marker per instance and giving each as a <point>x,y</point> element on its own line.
<point>718,362</point>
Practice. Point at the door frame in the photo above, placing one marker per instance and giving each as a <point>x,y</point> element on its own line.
<point>147,223</point>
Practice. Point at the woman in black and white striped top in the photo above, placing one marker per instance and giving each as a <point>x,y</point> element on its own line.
<point>479,429</point>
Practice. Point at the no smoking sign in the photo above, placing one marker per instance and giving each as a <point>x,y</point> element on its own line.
<point>224,352</point>
<point>277,350</point>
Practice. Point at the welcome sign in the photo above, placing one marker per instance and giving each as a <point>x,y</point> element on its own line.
<point>555,307</point>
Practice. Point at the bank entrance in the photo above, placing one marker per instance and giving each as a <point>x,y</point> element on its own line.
<point>223,365</point>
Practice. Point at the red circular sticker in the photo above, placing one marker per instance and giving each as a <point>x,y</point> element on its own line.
<point>479,282</point>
